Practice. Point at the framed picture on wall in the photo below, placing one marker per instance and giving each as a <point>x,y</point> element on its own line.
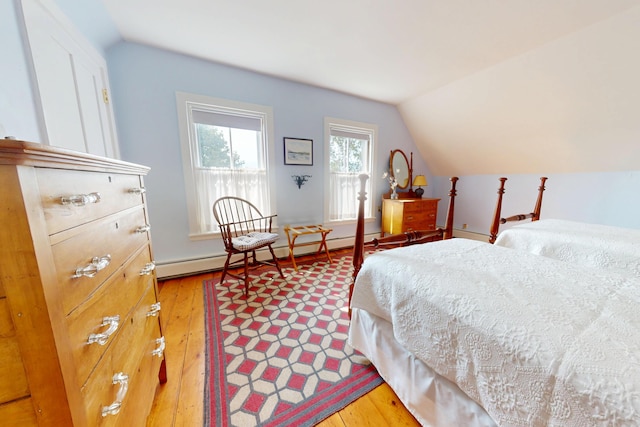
<point>298,151</point>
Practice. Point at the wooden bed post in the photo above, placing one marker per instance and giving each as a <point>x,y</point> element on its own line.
<point>536,210</point>
<point>495,225</point>
<point>448,225</point>
<point>497,220</point>
<point>358,246</point>
<point>407,238</point>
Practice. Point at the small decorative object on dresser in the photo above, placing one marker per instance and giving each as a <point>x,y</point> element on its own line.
<point>402,215</point>
<point>80,336</point>
<point>393,183</point>
<point>419,181</point>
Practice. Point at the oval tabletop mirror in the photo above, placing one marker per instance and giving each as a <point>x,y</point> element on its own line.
<point>400,169</point>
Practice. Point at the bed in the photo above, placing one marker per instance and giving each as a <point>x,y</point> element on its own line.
<point>591,245</point>
<point>473,334</point>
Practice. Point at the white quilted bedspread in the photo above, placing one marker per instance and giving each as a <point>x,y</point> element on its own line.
<point>535,341</point>
<point>590,245</point>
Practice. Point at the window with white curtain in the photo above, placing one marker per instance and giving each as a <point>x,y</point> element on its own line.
<point>227,151</point>
<point>349,150</point>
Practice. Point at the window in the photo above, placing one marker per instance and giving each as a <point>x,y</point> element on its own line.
<point>226,151</point>
<point>349,148</point>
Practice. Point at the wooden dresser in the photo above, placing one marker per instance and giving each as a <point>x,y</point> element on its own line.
<point>80,335</point>
<point>402,215</point>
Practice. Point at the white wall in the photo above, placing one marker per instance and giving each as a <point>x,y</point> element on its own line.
<point>144,81</point>
<point>609,198</point>
<point>570,106</point>
<point>568,110</point>
<point>91,18</point>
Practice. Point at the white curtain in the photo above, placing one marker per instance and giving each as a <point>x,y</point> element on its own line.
<point>343,203</point>
<point>211,184</point>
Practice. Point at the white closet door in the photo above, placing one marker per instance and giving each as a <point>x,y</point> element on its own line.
<point>89,86</point>
<point>72,83</point>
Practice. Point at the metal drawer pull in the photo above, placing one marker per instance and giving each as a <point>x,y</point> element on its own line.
<point>80,199</point>
<point>114,408</point>
<point>143,228</point>
<point>139,190</point>
<point>155,310</point>
<point>97,264</point>
<point>147,269</point>
<point>112,322</point>
<point>160,350</point>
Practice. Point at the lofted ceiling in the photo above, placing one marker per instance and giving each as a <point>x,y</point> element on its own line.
<point>389,51</point>
<point>484,87</point>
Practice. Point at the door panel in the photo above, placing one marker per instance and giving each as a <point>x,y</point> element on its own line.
<point>70,78</point>
<point>90,98</point>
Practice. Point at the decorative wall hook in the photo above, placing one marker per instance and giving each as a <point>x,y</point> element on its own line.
<point>300,179</point>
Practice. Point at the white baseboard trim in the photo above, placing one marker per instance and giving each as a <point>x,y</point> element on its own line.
<point>470,235</point>
<point>166,270</point>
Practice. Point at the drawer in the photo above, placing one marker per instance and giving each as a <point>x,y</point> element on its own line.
<point>6,324</point>
<point>420,206</point>
<point>14,383</point>
<point>125,355</point>
<point>19,413</point>
<point>119,295</point>
<point>417,217</point>
<point>147,331</point>
<point>418,227</point>
<point>115,236</point>
<point>55,185</point>
<point>143,390</point>
<point>424,222</point>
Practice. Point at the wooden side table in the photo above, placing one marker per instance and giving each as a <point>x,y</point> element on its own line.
<point>294,232</point>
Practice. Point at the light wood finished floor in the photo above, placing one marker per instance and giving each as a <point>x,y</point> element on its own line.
<point>179,402</point>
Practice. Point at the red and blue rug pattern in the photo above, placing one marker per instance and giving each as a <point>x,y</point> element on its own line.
<point>280,357</point>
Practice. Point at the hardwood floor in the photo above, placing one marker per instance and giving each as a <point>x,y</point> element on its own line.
<point>179,402</point>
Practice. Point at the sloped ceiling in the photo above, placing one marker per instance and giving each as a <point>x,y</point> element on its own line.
<point>422,55</point>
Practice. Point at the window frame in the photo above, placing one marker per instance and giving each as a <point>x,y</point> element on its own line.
<point>350,126</point>
<point>186,102</point>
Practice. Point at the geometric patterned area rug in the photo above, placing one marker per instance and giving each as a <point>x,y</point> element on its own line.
<point>280,357</point>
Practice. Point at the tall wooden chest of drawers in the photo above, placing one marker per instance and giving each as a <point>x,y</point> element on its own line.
<point>80,335</point>
<point>402,215</point>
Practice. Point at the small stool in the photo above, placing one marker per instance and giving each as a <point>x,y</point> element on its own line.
<point>294,232</point>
